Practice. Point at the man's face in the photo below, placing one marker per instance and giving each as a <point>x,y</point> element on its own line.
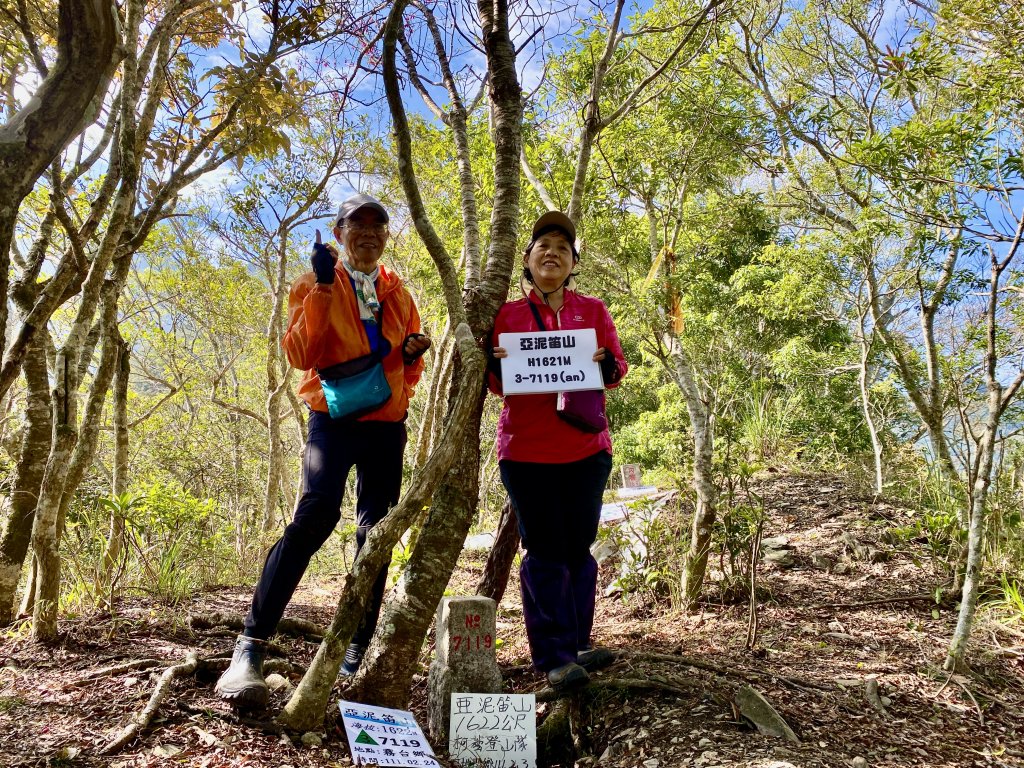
<point>364,235</point>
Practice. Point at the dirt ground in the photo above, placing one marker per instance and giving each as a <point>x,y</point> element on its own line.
<point>836,618</point>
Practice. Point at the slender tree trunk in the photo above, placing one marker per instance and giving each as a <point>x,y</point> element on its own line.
<point>73,445</point>
<point>695,563</point>
<point>997,402</point>
<point>975,547</point>
<point>503,552</point>
<point>864,379</point>
<point>442,361</point>
<point>28,600</point>
<point>119,486</point>
<point>275,390</point>
<point>45,540</point>
<point>393,655</point>
<point>35,443</point>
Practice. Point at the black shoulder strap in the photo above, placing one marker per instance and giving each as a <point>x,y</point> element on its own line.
<point>536,315</point>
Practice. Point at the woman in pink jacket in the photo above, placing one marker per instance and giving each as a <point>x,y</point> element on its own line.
<point>554,471</point>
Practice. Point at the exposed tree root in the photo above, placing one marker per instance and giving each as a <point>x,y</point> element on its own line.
<point>117,669</point>
<point>677,685</point>
<point>142,720</point>
<point>873,697</point>
<point>747,675</point>
<point>295,627</point>
<point>190,666</point>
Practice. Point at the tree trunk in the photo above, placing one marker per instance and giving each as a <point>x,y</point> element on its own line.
<point>37,133</point>
<point>73,446</point>
<point>35,443</point>
<point>864,379</point>
<point>695,563</point>
<point>393,655</point>
<point>502,554</point>
<point>305,709</point>
<point>28,600</point>
<point>45,540</point>
<point>119,486</point>
<point>997,402</point>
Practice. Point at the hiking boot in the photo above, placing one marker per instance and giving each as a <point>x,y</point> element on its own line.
<point>594,658</point>
<point>353,658</point>
<point>568,677</point>
<point>242,684</point>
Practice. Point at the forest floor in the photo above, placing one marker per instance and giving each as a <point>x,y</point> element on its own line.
<point>846,611</point>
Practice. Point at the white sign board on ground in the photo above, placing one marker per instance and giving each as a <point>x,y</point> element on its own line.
<point>385,736</point>
<point>493,730</point>
<point>549,361</point>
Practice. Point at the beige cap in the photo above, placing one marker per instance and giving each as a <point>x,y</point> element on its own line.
<point>555,219</point>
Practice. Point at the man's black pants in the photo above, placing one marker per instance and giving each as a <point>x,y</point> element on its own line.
<point>375,448</point>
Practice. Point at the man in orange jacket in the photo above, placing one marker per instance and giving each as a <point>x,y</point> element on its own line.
<point>347,309</point>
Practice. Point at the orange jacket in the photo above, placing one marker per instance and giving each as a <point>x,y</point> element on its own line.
<point>324,329</point>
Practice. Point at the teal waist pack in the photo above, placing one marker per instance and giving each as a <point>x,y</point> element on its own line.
<point>356,387</point>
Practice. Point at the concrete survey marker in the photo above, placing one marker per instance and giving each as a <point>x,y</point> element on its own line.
<point>465,660</point>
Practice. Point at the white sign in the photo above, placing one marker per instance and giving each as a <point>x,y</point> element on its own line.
<point>493,730</point>
<point>385,736</point>
<point>549,361</point>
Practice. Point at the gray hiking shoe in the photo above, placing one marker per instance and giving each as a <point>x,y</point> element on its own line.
<point>242,684</point>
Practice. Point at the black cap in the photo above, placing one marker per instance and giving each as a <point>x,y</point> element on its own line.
<point>355,203</point>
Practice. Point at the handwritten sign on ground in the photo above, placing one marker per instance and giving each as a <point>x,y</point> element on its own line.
<point>385,736</point>
<point>549,361</point>
<point>493,730</point>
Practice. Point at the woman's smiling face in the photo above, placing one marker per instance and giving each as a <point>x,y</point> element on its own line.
<point>550,260</point>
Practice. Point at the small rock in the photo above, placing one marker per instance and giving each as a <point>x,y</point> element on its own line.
<point>652,763</point>
<point>166,750</point>
<point>841,568</point>
<point>840,636</point>
<point>602,550</point>
<point>821,562</point>
<point>310,739</point>
<point>704,743</point>
<point>886,701</point>
<point>775,542</point>
<point>780,557</point>
<point>858,762</point>
<point>755,707</point>
<point>836,626</point>
<point>130,681</point>
<point>278,682</point>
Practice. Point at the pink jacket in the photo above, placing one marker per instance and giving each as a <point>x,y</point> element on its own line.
<point>529,428</point>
